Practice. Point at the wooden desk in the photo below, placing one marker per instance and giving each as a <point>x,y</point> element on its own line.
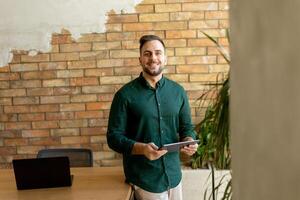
<point>92,183</point>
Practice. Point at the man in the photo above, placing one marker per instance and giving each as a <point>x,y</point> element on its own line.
<point>145,114</point>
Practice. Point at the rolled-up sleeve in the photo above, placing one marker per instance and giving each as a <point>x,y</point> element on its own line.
<point>117,125</point>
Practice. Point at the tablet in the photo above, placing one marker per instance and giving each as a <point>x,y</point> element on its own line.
<point>176,146</point>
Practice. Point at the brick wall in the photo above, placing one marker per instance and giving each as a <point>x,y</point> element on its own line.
<point>62,98</point>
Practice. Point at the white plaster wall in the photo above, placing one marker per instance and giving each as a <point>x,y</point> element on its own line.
<point>28,24</point>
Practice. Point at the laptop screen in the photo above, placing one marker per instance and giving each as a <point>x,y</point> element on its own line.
<point>42,172</point>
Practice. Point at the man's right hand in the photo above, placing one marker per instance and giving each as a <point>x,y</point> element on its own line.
<point>150,150</point>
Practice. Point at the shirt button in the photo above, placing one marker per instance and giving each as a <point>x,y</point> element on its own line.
<point>160,117</point>
<point>158,104</point>
<point>162,131</point>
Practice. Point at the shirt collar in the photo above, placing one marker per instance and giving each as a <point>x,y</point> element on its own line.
<point>159,84</point>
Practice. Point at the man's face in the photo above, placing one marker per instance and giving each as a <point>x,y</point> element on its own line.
<point>152,58</point>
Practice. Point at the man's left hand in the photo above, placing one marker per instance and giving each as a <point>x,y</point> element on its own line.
<point>190,149</point>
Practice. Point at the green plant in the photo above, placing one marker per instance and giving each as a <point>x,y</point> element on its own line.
<point>213,131</point>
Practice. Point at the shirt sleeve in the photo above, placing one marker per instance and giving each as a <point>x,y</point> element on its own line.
<point>117,125</point>
<point>186,127</point>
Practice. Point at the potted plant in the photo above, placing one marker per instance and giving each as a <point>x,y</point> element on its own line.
<point>214,135</point>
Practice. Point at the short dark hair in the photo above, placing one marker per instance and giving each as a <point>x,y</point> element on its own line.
<point>147,38</point>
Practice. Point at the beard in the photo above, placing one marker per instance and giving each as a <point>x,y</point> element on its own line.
<point>154,72</point>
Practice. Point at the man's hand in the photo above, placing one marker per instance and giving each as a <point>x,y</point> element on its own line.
<point>149,150</point>
<point>190,149</point>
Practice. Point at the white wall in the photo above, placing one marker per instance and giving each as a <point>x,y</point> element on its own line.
<point>28,24</point>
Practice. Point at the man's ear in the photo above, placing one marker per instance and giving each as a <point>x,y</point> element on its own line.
<point>140,60</point>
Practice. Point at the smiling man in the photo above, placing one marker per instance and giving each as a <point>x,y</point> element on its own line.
<point>146,113</point>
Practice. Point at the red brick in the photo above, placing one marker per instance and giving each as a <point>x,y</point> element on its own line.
<point>121,36</point>
<point>16,142</point>
<point>55,83</point>
<point>115,79</point>
<point>75,47</point>
<point>203,24</point>
<point>9,76</point>
<point>72,107</point>
<point>52,65</point>
<point>98,105</point>
<point>45,124</point>
<point>98,122</point>
<point>122,18</point>
<point>93,131</point>
<point>105,97</point>
<point>35,133</point>
<point>5,101</point>
<point>83,98</point>
<point>128,53</point>
<point>217,15</point>
<point>127,71</point>
<point>110,63</point>
<point>73,123</point>
<point>201,59</point>
<point>200,43</point>
<point>144,8</point>
<point>55,99</point>
<point>36,58</point>
<point>59,116</point>
<point>45,141</point>
<point>192,69</point>
<point>113,28</point>
<point>99,72</point>
<point>32,117</point>
<point>26,84</point>
<point>66,90</point>
<point>174,7</point>
<point>94,55</point>
<point>16,109</point>
<point>64,56</point>
<point>4,151</point>
<point>8,118</point>
<point>75,140</point>
<point>88,114</point>
<point>23,67</point>
<point>4,69</point>
<point>180,16</point>
<point>44,108</point>
<point>178,77</point>
<point>61,39</point>
<point>92,37</point>
<point>84,81</point>
<point>176,60</point>
<point>39,75</point>
<point>11,134</point>
<point>106,45</point>
<point>204,6</point>
<point>4,84</point>
<point>175,42</point>
<point>69,73</point>
<point>138,26</point>
<point>29,149</point>
<point>64,132</point>
<point>39,91</point>
<point>181,34</point>
<point>154,17</point>
<point>17,125</point>
<point>170,25</point>
<point>82,64</point>
<point>13,92</point>
<point>98,89</point>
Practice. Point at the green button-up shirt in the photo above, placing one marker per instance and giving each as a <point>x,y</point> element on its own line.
<point>140,113</point>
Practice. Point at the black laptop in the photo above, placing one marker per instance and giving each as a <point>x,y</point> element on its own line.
<point>42,173</point>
